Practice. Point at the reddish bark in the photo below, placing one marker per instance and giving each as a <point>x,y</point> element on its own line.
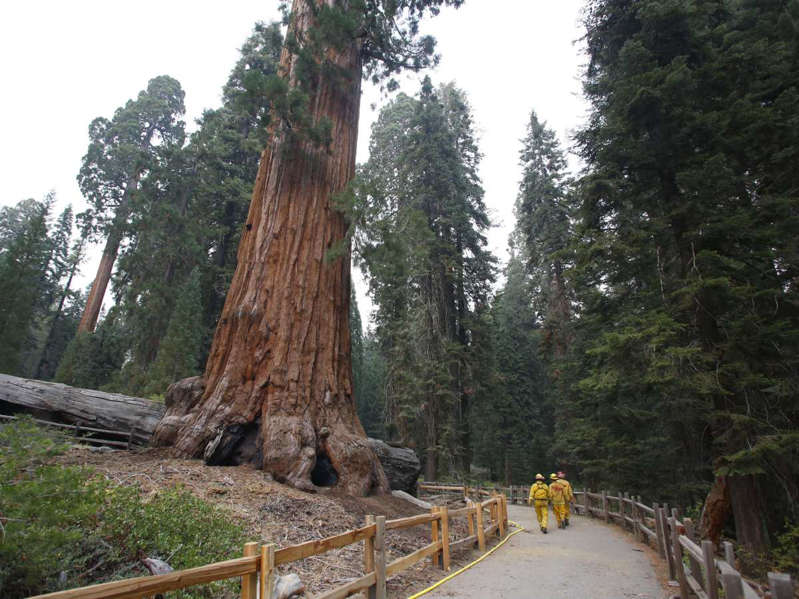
<point>716,511</point>
<point>95,300</point>
<point>278,382</point>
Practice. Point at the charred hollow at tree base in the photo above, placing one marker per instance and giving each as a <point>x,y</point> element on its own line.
<point>340,459</point>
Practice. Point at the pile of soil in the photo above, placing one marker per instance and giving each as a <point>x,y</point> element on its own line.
<point>274,513</point>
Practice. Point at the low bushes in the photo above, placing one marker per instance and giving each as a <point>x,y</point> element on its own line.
<point>62,527</point>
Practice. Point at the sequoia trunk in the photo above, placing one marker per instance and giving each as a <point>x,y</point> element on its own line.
<point>95,300</point>
<point>278,381</point>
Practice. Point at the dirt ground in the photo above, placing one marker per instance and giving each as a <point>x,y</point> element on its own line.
<point>274,513</point>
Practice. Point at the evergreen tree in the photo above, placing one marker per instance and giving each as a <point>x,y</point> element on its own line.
<point>122,153</point>
<point>423,246</point>
<point>687,351</point>
<point>180,347</point>
<point>543,226</point>
<point>516,425</point>
<point>58,300</point>
<point>91,360</point>
<point>308,162</point>
<point>24,261</point>
<point>190,209</point>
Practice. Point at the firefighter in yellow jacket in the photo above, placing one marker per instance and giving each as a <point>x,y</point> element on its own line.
<point>558,494</point>
<point>569,496</point>
<point>539,497</point>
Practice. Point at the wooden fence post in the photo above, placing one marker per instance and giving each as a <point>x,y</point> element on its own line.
<point>369,556</point>
<point>679,567</point>
<point>781,585</point>
<point>380,557</point>
<point>729,553</point>
<point>664,527</point>
<point>500,518</point>
<point>587,502</point>
<point>605,512</point>
<point>445,538</point>
<point>658,531</point>
<point>434,534</point>
<point>732,584</point>
<point>249,582</point>
<point>267,570</point>
<point>711,580</point>
<point>696,568</point>
<point>470,522</point>
<point>481,534</point>
<point>624,500</point>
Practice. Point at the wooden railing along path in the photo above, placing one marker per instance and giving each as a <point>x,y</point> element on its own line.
<point>692,562</point>
<point>257,567</point>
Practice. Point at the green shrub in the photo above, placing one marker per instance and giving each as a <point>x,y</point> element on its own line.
<point>64,527</point>
<point>787,551</point>
<point>173,524</point>
<point>45,510</point>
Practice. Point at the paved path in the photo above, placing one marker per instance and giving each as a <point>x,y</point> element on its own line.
<point>588,560</point>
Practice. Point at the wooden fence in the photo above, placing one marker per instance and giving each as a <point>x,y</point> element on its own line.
<point>92,435</point>
<point>692,562</point>
<point>257,566</point>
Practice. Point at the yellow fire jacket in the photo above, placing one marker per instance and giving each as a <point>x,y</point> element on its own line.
<point>557,491</point>
<point>539,492</point>
<point>569,493</point>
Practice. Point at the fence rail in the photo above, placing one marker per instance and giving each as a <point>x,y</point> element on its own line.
<point>692,562</point>
<point>706,575</point>
<point>257,567</point>
<point>99,436</point>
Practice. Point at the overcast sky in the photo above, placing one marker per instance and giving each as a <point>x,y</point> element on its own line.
<point>65,63</point>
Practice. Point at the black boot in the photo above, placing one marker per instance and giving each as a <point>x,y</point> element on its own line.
<point>544,530</point>
<point>567,521</point>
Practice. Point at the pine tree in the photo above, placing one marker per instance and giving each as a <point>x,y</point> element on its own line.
<point>60,299</point>
<point>421,240</point>
<point>24,260</point>
<point>91,360</point>
<point>516,431</point>
<point>543,210</point>
<point>178,351</point>
<point>121,153</point>
<point>686,257</point>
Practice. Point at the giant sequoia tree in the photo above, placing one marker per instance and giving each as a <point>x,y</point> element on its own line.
<point>122,152</point>
<point>277,388</point>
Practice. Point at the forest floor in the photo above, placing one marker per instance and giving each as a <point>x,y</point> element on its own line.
<point>274,513</point>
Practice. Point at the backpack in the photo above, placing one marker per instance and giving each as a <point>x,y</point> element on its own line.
<point>540,492</point>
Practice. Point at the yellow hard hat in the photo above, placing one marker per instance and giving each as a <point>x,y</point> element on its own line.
<point>553,476</point>
<point>539,477</point>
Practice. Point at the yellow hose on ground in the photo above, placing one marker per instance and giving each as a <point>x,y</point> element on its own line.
<point>475,562</point>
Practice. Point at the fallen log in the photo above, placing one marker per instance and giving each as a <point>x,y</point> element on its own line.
<point>89,408</point>
<point>84,407</point>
